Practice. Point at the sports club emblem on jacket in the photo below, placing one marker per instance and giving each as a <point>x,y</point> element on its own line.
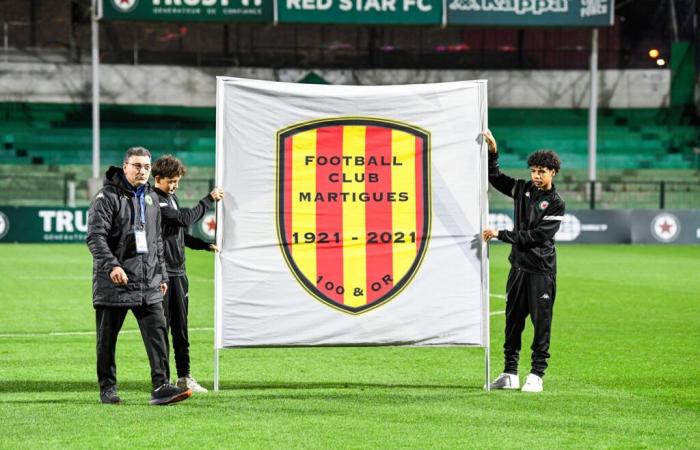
<point>543,205</point>
<point>353,208</point>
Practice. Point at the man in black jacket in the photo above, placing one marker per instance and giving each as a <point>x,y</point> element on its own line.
<point>167,171</point>
<point>531,286</point>
<point>129,274</point>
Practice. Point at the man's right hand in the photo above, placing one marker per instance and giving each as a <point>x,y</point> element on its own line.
<point>118,276</point>
<point>490,141</point>
<point>217,194</point>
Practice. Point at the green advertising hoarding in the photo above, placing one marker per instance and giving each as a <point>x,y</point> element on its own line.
<point>519,13</point>
<point>562,13</point>
<point>52,224</point>
<point>187,10</point>
<point>371,12</point>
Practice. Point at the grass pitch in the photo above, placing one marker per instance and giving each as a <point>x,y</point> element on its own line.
<point>624,371</point>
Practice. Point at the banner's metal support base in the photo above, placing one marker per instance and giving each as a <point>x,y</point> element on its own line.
<point>487,356</point>
<point>216,370</point>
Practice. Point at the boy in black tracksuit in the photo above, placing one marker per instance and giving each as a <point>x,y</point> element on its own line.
<point>167,171</point>
<point>531,286</point>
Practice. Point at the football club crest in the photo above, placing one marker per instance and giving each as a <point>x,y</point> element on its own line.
<point>124,6</point>
<point>208,225</point>
<point>543,205</point>
<point>149,200</point>
<point>665,227</point>
<point>353,208</point>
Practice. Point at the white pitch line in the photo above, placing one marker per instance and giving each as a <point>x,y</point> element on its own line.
<point>54,277</point>
<point>83,277</point>
<point>80,333</point>
<point>91,333</point>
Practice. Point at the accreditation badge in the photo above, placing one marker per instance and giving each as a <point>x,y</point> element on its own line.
<point>141,242</point>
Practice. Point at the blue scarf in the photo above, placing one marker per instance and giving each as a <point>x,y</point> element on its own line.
<point>140,194</point>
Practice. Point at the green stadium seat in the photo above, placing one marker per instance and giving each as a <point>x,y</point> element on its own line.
<point>61,135</point>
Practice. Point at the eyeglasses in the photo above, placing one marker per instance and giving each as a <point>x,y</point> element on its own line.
<point>138,167</point>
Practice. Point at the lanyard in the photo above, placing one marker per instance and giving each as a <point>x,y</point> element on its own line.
<point>140,195</point>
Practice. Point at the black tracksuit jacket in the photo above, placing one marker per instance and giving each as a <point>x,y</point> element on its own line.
<point>110,237</point>
<point>174,223</point>
<point>538,215</point>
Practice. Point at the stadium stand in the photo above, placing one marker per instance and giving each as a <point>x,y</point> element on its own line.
<point>635,146</point>
<point>60,135</point>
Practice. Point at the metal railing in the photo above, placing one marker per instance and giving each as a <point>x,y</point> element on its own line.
<point>70,191</point>
<point>630,194</point>
<point>301,46</point>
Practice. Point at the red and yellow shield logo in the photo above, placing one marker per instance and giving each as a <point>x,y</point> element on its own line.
<point>353,207</point>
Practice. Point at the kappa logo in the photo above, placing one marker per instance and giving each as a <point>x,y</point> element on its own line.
<point>353,208</point>
<point>4,225</point>
<point>125,6</point>
<point>545,297</point>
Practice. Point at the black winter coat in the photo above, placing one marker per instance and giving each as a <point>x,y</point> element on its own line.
<point>538,215</point>
<point>113,213</point>
<point>175,222</point>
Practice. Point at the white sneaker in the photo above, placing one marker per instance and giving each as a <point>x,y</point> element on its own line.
<point>506,381</point>
<point>533,383</point>
<point>190,383</point>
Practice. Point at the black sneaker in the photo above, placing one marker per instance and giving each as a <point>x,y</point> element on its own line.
<point>109,396</point>
<point>169,393</point>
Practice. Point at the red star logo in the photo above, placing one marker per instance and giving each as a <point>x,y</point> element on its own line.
<point>666,227</point>
<point>211,225</point>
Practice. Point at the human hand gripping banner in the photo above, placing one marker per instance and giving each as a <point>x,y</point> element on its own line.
<point>352,214</point>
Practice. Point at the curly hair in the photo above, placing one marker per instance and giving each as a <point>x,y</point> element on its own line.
<point>545,158</point>
<point>168,166</point>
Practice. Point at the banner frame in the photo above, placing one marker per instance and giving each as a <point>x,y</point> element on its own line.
<point>218,339</point>
<point>483,201</point>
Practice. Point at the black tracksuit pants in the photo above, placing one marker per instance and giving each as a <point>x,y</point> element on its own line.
<point>176,306</point>
<point>154,332</point>
<point>528,293</point>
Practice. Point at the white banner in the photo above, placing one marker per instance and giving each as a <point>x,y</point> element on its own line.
<point>352,214</point>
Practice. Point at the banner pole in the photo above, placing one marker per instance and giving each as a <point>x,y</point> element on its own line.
<point>216,370</point>
<point>484,203</point>
<point>487,356</point>
<point>218,332</point>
